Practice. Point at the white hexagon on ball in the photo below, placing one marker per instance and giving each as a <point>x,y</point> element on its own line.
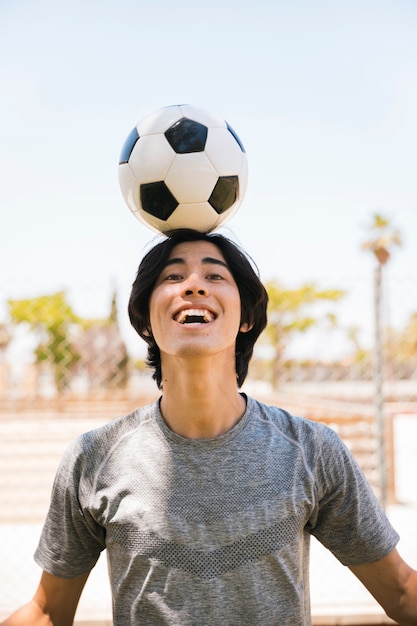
<point>188,188</point>
<point>151,158</point>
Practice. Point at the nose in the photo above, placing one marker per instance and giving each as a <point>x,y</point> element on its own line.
<point>193,286</point>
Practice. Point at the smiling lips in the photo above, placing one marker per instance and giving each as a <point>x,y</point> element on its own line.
<point>194,316</point>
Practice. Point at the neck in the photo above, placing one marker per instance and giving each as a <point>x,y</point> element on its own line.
<point>201,402</point>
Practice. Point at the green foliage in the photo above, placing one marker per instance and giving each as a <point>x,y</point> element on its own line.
<point>294,311</point>
<point>288,308</point>
<point>52,318</point>
<point>402,346</point>
<point>360,355</point>
<point>47,310</point>
<point>139,365</point>
<point>66,341</point>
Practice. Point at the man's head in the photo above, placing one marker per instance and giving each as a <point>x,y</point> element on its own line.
<point>252,293</point>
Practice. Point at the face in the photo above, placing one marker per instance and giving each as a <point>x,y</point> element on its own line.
<point>195,305</point>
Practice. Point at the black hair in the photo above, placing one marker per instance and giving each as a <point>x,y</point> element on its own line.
<point>253,295</point>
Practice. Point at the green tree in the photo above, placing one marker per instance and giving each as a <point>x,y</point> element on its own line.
<point>53,320</point>
<point>408,340</point>
<point>402,346</point>
<point>293,311</point>
<point>67,341</point>
<point>360,359</point>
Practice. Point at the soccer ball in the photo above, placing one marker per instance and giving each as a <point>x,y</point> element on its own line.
<point>182,167</point>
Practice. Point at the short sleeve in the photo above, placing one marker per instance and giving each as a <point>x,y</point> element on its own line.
<point>347,519</point>
<point>71,540</point>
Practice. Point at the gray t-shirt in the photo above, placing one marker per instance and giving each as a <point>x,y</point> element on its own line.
<point>212,531</point>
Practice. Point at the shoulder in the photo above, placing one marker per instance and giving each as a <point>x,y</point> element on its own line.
<point>89,449</point>
<point>295,427</point>
<point>121,426</point>
<point>320,446</point>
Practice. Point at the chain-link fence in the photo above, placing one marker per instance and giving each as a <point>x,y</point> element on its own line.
<point>66,367</point>
<point>77,340</point>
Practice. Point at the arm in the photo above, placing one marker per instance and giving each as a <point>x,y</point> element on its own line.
<point>393,584</point>
<point>54,603</point>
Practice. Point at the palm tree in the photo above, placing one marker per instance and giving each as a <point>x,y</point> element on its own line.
<point>383,236</point>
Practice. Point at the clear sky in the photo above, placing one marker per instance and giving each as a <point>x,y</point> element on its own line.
<point>322,93</point>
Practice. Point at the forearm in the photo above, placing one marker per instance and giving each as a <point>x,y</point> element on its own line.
<point>405,610</point>
<point>54,603</point>
<point>393,583</point>
<point>30,613</point>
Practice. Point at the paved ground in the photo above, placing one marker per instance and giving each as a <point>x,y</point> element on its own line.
<point>337,598</point>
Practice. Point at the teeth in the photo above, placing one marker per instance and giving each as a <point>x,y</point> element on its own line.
<point>196,316</point>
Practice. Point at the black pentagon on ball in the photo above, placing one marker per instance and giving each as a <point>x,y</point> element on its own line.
<point>187,136</point>
<point>157,200</point>
<point>128,146</point>
<point>225,193</point>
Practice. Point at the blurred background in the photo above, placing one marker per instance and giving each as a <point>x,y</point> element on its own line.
<point>323,96</point>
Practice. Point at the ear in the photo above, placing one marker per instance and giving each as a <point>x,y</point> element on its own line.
<point>245,327</point>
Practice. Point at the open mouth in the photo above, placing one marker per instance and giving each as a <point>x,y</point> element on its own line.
<point>194,316</point>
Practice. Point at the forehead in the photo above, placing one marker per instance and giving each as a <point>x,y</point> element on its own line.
<point>196,252</point>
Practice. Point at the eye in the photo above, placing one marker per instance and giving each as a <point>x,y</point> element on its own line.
<point>173,277</point>
<point>215,277</point>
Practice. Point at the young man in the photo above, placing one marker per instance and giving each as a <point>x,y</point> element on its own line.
<point>205,500</point>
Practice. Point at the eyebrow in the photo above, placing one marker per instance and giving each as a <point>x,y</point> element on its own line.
<point>208,260</point>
